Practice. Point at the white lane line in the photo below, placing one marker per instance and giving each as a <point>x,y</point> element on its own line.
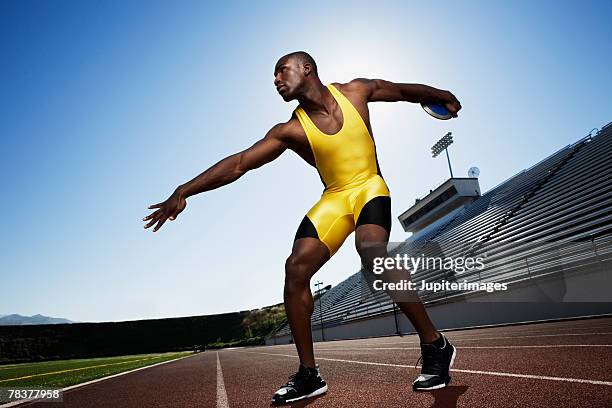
<point>493,373</point>
<point>555,329</point>
<point>463,347</point>
<point>340,343</point>
<point>531,334</point>
<point>221,394</point>
<point>519,330</point>
<point>456,339</point>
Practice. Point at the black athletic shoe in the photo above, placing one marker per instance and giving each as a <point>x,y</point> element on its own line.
<point>307,382</point>
<point>438,358</point>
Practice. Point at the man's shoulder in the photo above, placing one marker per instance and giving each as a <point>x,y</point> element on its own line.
<point>289,130</point>
<point>357,86</point>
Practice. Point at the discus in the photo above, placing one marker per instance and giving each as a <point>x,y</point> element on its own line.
<point>437,111</point>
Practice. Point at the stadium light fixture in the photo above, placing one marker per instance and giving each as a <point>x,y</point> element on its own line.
<point>318,284</point>
<point>443,144</point>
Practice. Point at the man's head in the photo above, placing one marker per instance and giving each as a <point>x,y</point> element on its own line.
<point>293,73</point>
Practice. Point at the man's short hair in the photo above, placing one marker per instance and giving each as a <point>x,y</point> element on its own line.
<point>302,57</point>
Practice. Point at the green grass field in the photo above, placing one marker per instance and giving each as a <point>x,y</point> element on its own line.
<point>63,373</point>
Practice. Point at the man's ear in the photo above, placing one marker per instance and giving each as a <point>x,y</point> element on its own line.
<point>307,68</point>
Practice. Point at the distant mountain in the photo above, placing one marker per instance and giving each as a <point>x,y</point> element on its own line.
<point>18,320</point>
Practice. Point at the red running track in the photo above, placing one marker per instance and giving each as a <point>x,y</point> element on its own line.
<point>556,364</point>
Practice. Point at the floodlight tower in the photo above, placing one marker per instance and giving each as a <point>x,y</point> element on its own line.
<point>318,284</point>
<point>443,144</point>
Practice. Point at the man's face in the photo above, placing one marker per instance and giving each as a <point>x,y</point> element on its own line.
<point>288,78</point>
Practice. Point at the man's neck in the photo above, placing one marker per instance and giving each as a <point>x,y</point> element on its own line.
<point>317,98</point>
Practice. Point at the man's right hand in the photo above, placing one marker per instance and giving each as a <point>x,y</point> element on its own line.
<point>451,103</point>
<point>170,208</point>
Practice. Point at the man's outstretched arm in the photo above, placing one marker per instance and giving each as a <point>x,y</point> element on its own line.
<point>224,172</point>
<point>379,90</point>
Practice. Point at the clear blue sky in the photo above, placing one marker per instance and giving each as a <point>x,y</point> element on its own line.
<point>107,106</point>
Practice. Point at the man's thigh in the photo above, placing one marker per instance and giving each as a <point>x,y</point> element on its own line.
<point>330,221</point>
<point>371,242</point>
<point>309,254</point>
<point>373,229</point>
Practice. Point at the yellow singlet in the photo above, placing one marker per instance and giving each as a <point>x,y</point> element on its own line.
<point>347,164</point>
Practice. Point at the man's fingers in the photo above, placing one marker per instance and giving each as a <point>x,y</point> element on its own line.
<point>158,205</point>
<point>453,108</point>
<point>153,214</point>
<point>155,219</point>
<point>161,222</point>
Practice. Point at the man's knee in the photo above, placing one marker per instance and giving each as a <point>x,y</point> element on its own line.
<point>297,272</point>
<point>370,250</point>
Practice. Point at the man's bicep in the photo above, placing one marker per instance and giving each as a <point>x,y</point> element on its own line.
<point>377,90</point>
<point>385,91</point>
<point>264,150</point>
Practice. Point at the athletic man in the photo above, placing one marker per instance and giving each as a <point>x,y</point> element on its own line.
<point>330,129</point>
